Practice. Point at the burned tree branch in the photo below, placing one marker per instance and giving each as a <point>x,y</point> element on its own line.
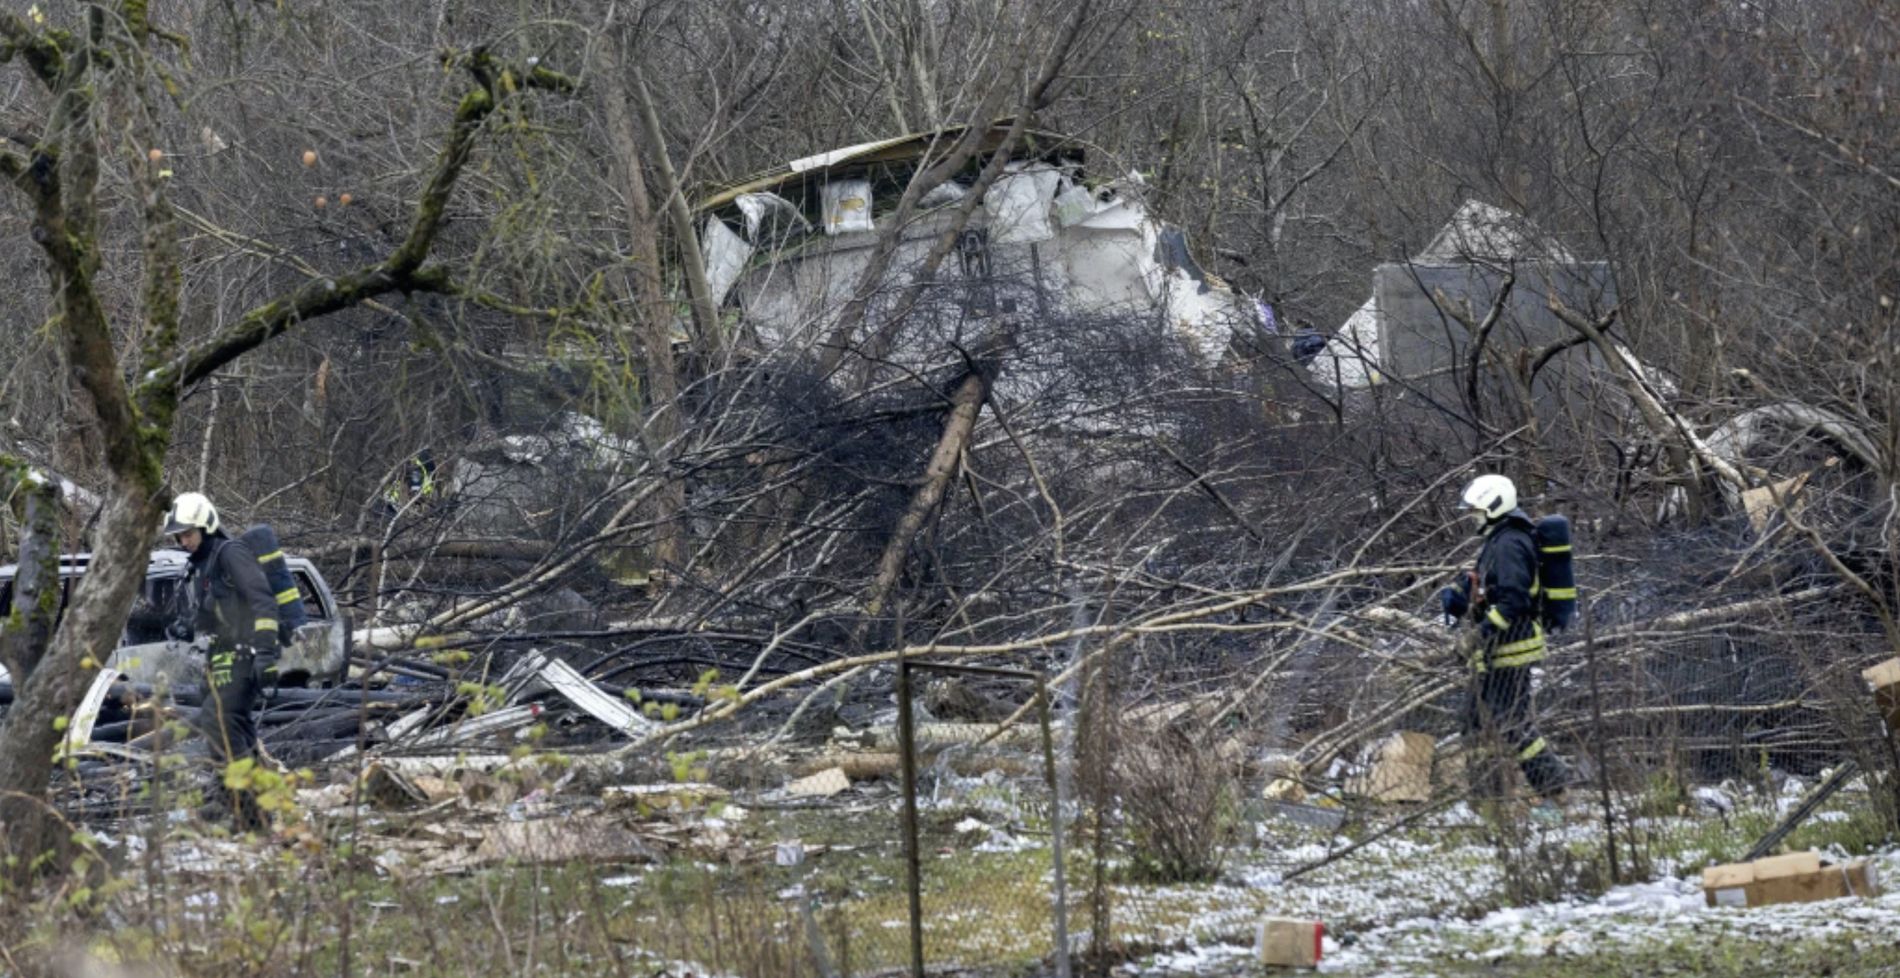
<point>964,405</point>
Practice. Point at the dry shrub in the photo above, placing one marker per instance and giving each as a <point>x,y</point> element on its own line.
<point>1179,799</point>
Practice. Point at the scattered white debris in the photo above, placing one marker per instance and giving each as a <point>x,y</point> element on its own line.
<point>1001,841</point>
<point>1715,800</point>
<point>824,784</point>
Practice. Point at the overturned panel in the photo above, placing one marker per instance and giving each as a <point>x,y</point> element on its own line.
<point>1420,333</point>
<point>1427,315</point>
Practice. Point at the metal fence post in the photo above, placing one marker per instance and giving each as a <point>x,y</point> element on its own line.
<point>907,762</point>
<point>1597,738</point>
<point>1061,907</point>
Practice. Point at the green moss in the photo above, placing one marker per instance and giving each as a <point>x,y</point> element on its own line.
<point>475,104</point>
<point>137,17</point>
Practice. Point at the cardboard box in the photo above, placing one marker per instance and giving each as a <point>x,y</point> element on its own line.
<point>1885,680</point>
<point>1290,942</point>
<point>1760,504</point>
<point>1401,770</point>
<point>1798,877</point>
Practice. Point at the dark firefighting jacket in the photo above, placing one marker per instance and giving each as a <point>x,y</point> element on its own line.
<point>235,606</point>
<point>1509,590</point>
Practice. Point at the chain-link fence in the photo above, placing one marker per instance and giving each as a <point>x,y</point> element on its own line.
<point>1689,736</point>
<point>985,844</point>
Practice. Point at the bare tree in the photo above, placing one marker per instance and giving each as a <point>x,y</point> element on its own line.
<point>99,74</point>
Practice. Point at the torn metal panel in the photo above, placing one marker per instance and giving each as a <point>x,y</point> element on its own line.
<point>770,219</point>
<point>318,648</point>
<point>167,663</point>
<point>725,255</point>
<point>486,725</point>
<point>943,195</point>
<point>1351,356</point>
<point>609,709</point>
<point>401,726</point>
<point>393,731</point>
<point>1113,214</point>
<point>1200,315</point>
<point>827,160</point>
<point>895,151</point>
<point>1478,231</point>
<point>1040,230</point>
<point>1019,204</point>
<point>1421,337</point>
<point>79,725</point>
<point>1735,438</point>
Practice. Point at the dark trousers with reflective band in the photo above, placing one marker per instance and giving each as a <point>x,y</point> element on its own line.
<point>226,716</point>
<point>1500,709</point>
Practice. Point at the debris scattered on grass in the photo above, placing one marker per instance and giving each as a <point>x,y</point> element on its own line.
<point>824,784</point>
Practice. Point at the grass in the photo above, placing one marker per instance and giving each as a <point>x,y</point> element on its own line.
<point>307,909</point>
<point>1687,844</point>
<point>1840,956</point>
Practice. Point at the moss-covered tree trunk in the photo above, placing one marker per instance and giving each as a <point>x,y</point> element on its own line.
<point>28,627</point>
<point>86,636</point>
<point>60,178</point>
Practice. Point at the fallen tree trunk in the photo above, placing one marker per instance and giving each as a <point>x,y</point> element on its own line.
<point>964,405</point>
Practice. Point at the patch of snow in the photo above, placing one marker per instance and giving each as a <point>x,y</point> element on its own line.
<point>1197,959</point>
<point>1660,912</point>
<point>1000,841</point>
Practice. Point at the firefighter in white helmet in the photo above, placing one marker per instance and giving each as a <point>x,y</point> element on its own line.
<point>235,610</point>
<point>1500,596</point>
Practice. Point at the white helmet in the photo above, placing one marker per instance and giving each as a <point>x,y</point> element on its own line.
<point>1492,495</point>
<point>191,511</point>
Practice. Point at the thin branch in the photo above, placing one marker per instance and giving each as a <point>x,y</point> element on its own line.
<point>401,271</point>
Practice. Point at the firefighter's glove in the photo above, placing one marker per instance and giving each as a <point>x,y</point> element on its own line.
<point>265,642</point>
